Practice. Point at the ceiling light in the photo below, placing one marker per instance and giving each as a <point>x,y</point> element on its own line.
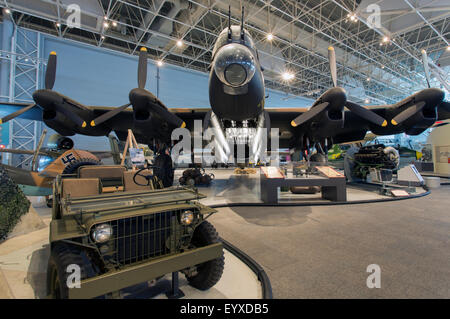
<point>105,24</point>
<point>114,24</point>
<point>269,36</point>
<point>382,66</point>
<point>105,17</point>
<point>366,101</point>
<point>58,24</point>
<point>103,37</point>
<point>448,48</point>
<point>159,63</point>
<point>368,79</point>
<point>7,11</point>
<point>385,39</point>
<point>179,43</point>
<point>287,76</point>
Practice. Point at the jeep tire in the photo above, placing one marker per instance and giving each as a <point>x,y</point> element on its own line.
<point>72,168</point>
<point>209,272</point>
<point>62,255</point>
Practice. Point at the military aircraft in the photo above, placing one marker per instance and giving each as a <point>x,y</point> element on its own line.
<point>237,98</point>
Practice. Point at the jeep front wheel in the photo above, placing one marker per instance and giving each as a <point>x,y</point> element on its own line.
<point>208,273</point>
<point>62,256</point>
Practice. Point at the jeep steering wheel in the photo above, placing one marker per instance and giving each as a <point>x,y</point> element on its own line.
<point>148,178</point>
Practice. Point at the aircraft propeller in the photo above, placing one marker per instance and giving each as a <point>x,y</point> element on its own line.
<point>142,78</point>
<point>417,107</point>
<point>50,75</point>
<point>353,107</point>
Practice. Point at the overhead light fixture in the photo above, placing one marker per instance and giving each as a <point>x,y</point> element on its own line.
<point>103,37</point>
<point>105,25</point>
<point>270,36</point>
<point>114,24</point>
<point>287,76</point>
<point>368,79</point>
<point>105,17</point>
<point>352,17</point>
<point>179,43</point>
<point>382,66</point>
<point>159,63</point>
<point>58,24</point>
<point>448,48</point>
<point>7,11</point>
<point>385,39</point>
<point>366,101</point>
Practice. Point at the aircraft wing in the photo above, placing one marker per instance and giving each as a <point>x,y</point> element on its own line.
<point>189,115</point>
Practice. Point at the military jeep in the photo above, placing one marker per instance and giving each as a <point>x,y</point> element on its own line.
<point>120,231</point>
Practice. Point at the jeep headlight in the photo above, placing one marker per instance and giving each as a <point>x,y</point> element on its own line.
<point>187,217</point>
<point>101,233</point>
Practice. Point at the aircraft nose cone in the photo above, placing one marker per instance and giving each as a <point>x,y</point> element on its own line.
<point>336,96</point>
<point>47,98</point>
<point>432,96</point>
<point>234,64</point>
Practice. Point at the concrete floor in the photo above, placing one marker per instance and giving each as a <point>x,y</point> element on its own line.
<point>324,251</point>
<point>308,252</point>
<point>228,187</point>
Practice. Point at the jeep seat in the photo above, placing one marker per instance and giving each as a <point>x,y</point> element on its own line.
<point>130,185</point>
<point>79,187</point>
<point>110,175</point>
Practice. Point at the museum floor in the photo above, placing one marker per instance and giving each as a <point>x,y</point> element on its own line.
<point>307,252</point>
<point>323,251</point>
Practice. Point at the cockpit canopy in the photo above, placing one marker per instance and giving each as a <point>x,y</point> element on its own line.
<point>235,38</point>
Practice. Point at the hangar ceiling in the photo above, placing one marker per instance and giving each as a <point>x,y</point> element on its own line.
<point>376,63</point>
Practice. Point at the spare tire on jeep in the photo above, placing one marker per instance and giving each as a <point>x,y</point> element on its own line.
<point>74,165</point>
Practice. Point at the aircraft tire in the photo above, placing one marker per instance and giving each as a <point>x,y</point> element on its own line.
<point>164,169</point>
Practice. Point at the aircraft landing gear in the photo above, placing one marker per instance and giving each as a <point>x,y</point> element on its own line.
<point>163,169</point>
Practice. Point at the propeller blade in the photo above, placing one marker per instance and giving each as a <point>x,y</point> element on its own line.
<point>142,68</point>
<point>406,114</point>
<point>426,67</point>
<point>50,73</point>
<point>72,116</point>
<point>332,60</point>
<point>313,111</point>
<point>366,114</point>
<point>106,116</point>
<point>16,114</point>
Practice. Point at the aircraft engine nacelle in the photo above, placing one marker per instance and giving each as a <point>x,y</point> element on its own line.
<point>59,122</point>
<point>421,120</point>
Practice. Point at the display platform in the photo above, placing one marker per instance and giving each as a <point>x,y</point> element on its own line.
<point>229,188</point>
<point>23,266</point>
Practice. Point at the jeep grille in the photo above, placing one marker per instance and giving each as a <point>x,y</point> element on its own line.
<point>143,237</point>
